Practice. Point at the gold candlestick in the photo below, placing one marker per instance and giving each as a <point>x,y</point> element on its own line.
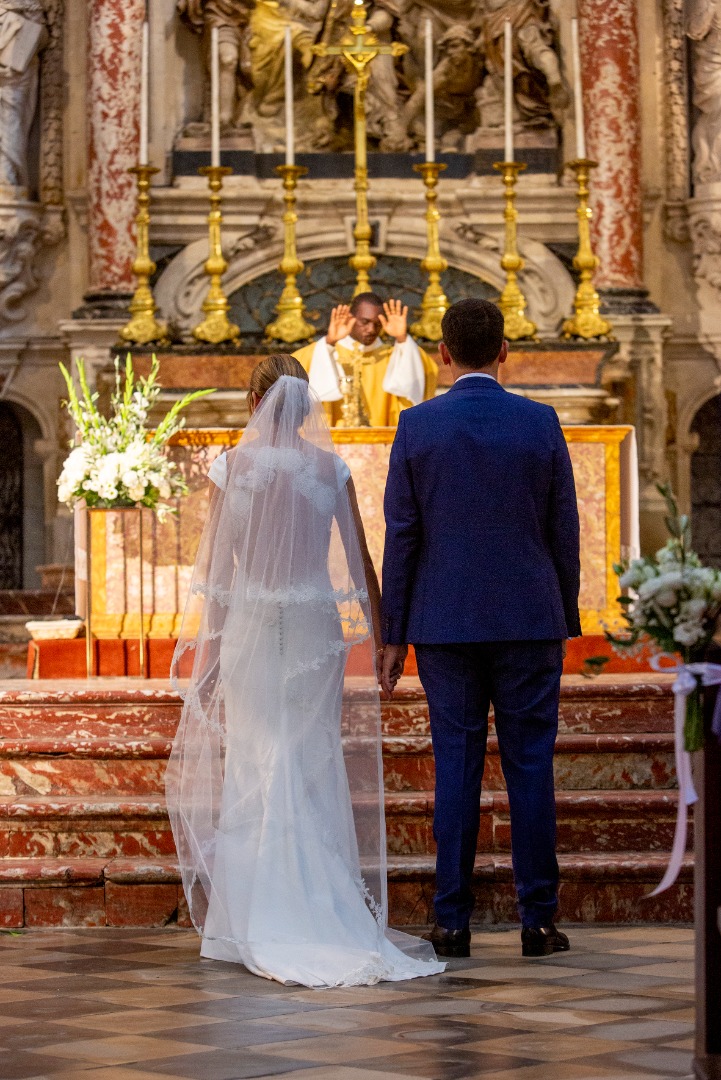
<point>359,48</point>
<point>512,302</point>
<point>290,325</point>
<point>215,327</point>
<point>587,322</point>
<point>143,327</point>
<point>435,302</point>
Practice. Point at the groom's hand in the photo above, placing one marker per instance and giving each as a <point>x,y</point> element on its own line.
<point>394,659</point>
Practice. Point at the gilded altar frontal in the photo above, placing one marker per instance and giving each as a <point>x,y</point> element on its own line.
<point>209,180</point>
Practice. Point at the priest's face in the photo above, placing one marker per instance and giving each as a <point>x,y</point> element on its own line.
<point>367,325</point>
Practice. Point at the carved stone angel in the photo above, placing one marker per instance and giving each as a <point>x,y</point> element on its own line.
<point>328,76</point>
<point>704,29</point>
<point>456,77</point>
<point>264,108</point>
<point>22,37</point>
<point>539,90</point>
<point>232,19</point>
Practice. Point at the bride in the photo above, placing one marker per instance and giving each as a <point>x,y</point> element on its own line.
<point>275,783</point>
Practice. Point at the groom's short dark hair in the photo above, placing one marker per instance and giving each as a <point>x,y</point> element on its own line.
<point>473,332</point>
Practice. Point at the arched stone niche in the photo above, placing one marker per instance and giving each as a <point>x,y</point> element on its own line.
<point>253,256</point>
<point>706,482</point>
<point>22,499</point>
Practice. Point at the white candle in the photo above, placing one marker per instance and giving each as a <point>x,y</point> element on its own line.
<point>289,116</point>
<point>143,153</point>
<point>430,119</point>
<point>214,98</point>
<point>508,89</point>
<point>578,92</point>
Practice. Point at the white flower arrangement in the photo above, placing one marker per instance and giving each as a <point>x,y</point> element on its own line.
<point>118,461</point>
<point>674,605</point>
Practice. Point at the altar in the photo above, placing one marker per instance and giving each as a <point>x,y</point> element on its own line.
<point>604,462</point>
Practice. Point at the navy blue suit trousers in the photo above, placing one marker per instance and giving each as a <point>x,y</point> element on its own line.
<point>522,681</point>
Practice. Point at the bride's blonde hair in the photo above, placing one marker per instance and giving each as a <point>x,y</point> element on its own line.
<point>269,370</point>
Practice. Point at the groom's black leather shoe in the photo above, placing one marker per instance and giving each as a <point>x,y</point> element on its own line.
<point>449,942</point>
<point>543,940</point>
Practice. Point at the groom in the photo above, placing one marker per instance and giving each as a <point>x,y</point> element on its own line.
<point>481,574</point>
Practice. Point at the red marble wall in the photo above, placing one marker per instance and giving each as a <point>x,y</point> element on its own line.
<point>608,32</point>
<point>114,46</point>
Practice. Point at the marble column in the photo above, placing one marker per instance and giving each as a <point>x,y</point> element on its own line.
<point>114,46</point>
<point>608,32</point>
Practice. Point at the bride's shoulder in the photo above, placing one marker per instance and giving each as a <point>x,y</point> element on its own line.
<point>342,470</point>
<point>218,471</point>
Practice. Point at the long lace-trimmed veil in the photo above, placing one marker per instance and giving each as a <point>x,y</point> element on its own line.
<point>278,646</point>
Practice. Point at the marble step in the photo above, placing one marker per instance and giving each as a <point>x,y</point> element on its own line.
<point>50,765</point>
<point>134,708</point>
<point>582,762</point>
<point>147,892</point>
<point>608,888</point>
<point>135,826</point>
<point>85,827</point>
<point>587,821</point>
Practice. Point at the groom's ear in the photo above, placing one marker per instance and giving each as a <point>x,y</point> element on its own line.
<point>444,354</point>
<point>503,354</point>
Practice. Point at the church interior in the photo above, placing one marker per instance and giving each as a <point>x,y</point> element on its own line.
<point>211,181</point>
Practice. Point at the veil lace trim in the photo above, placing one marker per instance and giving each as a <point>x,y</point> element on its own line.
<point>268,462</point>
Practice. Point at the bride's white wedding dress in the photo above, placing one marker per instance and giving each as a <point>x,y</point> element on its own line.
<point>275,780</point>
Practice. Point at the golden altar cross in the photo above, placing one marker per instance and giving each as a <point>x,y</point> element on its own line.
<point>359,48</point>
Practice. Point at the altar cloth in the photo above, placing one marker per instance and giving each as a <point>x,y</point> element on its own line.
<point>604,462</point>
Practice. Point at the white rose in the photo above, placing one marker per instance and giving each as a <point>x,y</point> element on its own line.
<point>693,609</point>
<point>629,580</point>
<point>688,633</point>
<point>647,589</point>
<point>666,598</point>
<point>130,479</point>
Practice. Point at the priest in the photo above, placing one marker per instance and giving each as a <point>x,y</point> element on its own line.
<point>393,376</point>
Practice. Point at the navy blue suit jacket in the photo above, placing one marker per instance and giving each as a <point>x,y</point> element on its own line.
<point>482,535</point>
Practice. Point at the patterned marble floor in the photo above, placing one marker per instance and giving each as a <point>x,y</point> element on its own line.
<point>138,1005</point>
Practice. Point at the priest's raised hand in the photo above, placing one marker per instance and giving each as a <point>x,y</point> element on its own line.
<point>340,324</point>
<point>394,320</point>
<point>392,376</point>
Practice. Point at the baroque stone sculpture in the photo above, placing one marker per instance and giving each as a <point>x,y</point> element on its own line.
<point>540,94</point>
<point>22,36</point>
<point>232,17</point>
<point>468,75</point>
<point>704,29</point>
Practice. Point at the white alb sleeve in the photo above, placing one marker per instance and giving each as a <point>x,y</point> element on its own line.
<point>406,377</point>
<point>323,374</point>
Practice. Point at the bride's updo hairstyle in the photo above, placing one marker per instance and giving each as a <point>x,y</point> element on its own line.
<point>269,370</point>
<point>267,373</point>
